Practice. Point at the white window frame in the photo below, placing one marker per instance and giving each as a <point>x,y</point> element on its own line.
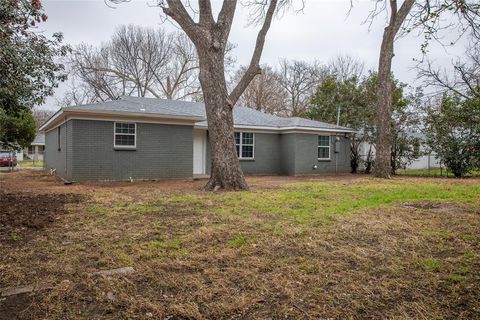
<point>124,134</point>
<point>329,147</point>
<point>240,155</point>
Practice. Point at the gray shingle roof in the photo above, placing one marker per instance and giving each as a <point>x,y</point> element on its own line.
<point>308,123</point>
<point>242,116</point>
<point>147,106</point>
<point>39,139</point>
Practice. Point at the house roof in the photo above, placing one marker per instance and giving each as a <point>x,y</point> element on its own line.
<point>243,117</point>
<point>39,139</point>
<point>146,106</point>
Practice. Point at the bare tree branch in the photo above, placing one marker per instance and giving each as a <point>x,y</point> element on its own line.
<point>254,67</point>
<point>463,79</point>
<point>138,61</point>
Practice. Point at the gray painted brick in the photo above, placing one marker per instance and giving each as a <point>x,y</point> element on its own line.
<point>292,154</point>
<point>162,152</point>
<point>61,160</point>
<point>306,155</point>
<point>166,151</point>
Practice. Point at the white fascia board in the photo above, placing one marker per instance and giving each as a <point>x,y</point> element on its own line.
<point>307,130</point>
<point>136,114</point>
<point>52,119</point>
<point>115,116</point>
<point>286,130</point>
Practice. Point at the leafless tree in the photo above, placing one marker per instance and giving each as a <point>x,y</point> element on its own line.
<point>345,67</point>
<point>463,78</point>
<point>264,93</point>
<point>77,93</point>
<point>210,37</point>
<point>93,68</point>
<point>181,80</point>
<point>428,17</point>
<point>136,61</point>
<point>299,79</point>
<point>138,55</point>
<point>41,115</point>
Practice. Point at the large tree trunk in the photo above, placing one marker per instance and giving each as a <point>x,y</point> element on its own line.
<point>210,38</point>
<point>225,170</point>
<point>382,166</point>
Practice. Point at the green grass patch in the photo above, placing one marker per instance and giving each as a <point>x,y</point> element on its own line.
<point>307,202</point>
<point>123,258</point>
<point>30,163</point>
<point>464,271</point>
<point>429,264</point>
<point>238,241</point>
<point>470,257</point>
<point>455,278</point>
<point>123,207</point>
<point>166,245</point>
<point>312,203</point>
<point>437,172</point>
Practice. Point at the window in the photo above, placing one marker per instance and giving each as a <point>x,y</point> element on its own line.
<point>323,147</point>
<point>125,135</point>
<point>244,141</point>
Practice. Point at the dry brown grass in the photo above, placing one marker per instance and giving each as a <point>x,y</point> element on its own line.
<point>416,260</point>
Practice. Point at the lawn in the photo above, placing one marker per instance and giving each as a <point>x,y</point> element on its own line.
<point>437,172</point>
<point>347,247</point>
<point>28,163</point>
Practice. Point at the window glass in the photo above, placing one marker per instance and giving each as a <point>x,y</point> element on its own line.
<point>125,134</point>
<point>244,143</point>
<point>323,147</point>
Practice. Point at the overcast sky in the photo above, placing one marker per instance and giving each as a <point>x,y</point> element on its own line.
<point>322,31</point>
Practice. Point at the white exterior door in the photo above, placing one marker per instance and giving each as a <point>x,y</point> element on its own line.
<point>199,151</point>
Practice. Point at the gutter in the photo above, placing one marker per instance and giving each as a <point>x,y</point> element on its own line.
<point>285,130</point>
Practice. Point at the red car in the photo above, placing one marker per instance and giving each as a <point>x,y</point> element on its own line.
<point>7,158</point>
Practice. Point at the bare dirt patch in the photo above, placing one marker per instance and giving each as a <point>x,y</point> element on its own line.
<point>22,212</point>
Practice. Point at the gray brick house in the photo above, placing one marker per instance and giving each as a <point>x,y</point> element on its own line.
<point>146,138</point>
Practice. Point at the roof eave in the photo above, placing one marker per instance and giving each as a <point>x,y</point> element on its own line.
<point>136,114</point>
<point>81,112</point>
<point>51,120</point>
<point>286,129</point>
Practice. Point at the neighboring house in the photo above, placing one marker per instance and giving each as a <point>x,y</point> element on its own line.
<point>427,159</point>
<point>36,149</point>
<point>143,138</point>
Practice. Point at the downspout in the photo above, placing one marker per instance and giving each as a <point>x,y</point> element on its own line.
<point>66,147</point>
<point>335,143</point>
<point>335,150</point>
